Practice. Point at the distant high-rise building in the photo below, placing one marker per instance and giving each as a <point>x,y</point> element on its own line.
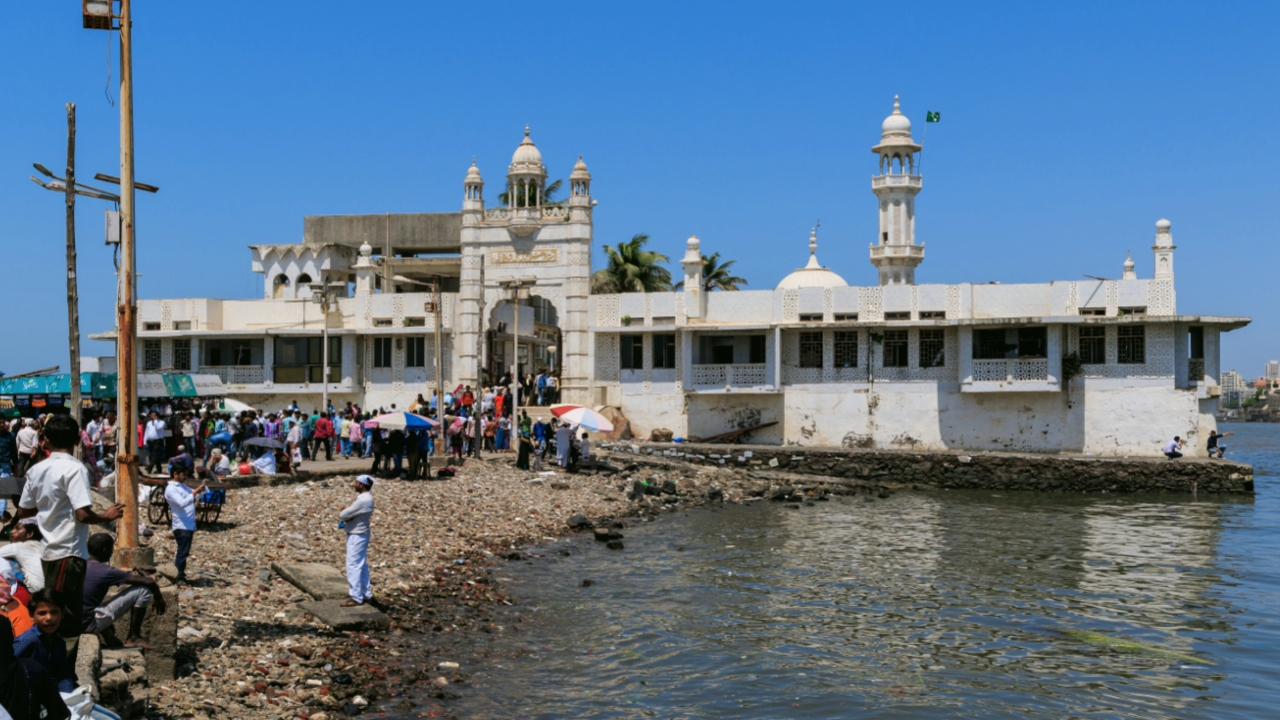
<point>1273,370</point>
<point>1234,388</point>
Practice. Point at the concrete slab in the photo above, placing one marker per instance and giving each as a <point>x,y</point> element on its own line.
<point>360,617</point>
<point>315,579</point>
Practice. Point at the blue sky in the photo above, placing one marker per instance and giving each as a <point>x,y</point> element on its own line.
<point>1067,131</point>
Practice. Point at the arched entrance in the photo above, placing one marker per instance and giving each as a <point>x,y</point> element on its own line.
<point>537,348</point>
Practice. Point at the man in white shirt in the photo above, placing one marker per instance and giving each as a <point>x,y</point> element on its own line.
<point>355,520</point>
<point>182,508</point>
<point>153,436</point>
<point>26,547</point>
<point>28,441</point>
<point>1172,449</point>
<point>57,494</point>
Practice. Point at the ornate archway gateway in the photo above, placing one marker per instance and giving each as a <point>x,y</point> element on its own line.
<point>547,248</point>
<point>528,347</point>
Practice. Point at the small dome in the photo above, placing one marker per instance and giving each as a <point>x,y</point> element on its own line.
<point>473,173</point>
<point>1163,225</point>
<point>812,275</point>
<point>366,249</point>
<point>527,153</point>
<point>1128,263</point>
<point>580,171</point>
<point>897,123</point>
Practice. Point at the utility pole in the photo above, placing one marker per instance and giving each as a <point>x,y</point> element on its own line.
<point>73,294</point>
<point>436,310</point>
<point>127,551</point>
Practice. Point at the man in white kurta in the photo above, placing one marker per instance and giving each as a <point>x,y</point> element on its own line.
<point>355,518</point>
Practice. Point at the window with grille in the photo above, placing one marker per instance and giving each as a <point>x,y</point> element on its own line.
<point>933,348</point>
<point>989,345</point>
<point>1033,342</point>
<point>895,348</point>
<point>901,315</point>
<point>664,351</point>
<point>1131,344</point>
<point>811,350</point>
<point>382,352</point>
<point>757,350</point>
<point>151,355</point>
<point>415,352</point>
<point>151,327</point>
<point>632,355</point>
<point>811,317</point>
<point>181,354</point>
<point>846,317</point>
<point>1092,347</point>
<point>846,349</point>
<point>933,314</point>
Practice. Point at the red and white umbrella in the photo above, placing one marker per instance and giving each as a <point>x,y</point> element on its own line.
<point>584,417</point>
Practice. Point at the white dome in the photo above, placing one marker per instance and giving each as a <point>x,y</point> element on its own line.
<point>819,277</point>
<point>1163,224</point>
<point>812,275</point>
<point>897,123</point>
<point>473,173</point>
<point>527,153</point>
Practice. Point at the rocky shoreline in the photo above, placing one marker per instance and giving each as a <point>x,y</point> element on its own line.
<point>247,650</point>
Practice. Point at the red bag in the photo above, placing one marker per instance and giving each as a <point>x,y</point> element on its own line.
<point>246,468</point>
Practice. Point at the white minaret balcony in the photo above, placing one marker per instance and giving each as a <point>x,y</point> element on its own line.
<point>905,181</point>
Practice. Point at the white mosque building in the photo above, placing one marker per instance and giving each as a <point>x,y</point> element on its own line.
<point>1105,367</point>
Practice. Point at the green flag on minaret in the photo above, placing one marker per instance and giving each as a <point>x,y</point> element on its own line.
<point>931,116</point>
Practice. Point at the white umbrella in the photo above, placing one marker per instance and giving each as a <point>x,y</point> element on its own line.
<point>583,417</point>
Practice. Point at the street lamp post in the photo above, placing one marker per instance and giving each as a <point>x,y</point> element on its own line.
<point>324,297</point>
<point>97,15</point>
<point>516,285</point>
<point>439,363</point>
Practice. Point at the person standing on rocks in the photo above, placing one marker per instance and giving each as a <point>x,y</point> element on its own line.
<point>57,494</point>
<point>182,508</point>
<point>355,520</point>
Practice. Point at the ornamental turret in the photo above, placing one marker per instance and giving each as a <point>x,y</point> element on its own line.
<point>473,196</point>
<point>580,192</point>
<point>895,252</point>
<point>1163,250</point>
<point>526,188</point>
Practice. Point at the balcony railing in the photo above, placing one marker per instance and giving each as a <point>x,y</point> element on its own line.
<point>1010,371</point>
<point>879,181</point>
<point>906,251</point>
<point>736,375</point>
<point>236,374</point>
<point>1195,371</point>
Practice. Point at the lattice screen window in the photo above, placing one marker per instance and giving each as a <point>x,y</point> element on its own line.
<point>811,350</point>
<point>933,348</point>
<point>151,355</point>
<point>1092,346</point>
<point>182,354</point>
<point>896,348</point>
<point>845,349</point>
<point>1131,342</point>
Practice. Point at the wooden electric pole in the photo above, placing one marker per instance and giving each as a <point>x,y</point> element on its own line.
<point>73,295</point>
<point>128,554</point>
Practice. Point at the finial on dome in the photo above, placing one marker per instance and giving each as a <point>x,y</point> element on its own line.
<point>895,104</point>
<point>526,131</point>
<point>813,239</point>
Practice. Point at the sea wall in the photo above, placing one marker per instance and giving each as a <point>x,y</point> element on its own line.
<point>977,471</point>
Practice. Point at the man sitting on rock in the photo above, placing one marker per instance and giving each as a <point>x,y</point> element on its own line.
<point>26,545</point>
<point>142,592</point>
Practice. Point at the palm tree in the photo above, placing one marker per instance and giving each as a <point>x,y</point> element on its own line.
<point>715,275</point>
<point>632,269</point>
<point>548,196</point>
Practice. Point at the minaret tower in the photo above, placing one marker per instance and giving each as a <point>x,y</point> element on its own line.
<point>526,188</point>
<point>1163,250</point>
<point>895,252</point>
<point>473,196</point>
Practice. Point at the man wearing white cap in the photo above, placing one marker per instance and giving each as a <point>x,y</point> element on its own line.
<point>355,520</point>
